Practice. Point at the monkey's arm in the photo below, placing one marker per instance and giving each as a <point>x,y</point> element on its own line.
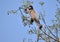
<point>31,21</point>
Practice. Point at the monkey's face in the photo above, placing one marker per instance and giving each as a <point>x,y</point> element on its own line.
<point>28,9</point>
<point>25,10</point>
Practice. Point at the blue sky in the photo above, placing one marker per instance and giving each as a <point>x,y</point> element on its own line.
<point>11,26</point>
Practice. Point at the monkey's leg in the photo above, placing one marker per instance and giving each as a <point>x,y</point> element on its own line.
<point>31,21</point>
<point>38,23</point>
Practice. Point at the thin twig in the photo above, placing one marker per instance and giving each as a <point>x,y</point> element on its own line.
<point>49,36</point>
<point>21,12</point>
<point>42,37</point>
<point>47,26</point>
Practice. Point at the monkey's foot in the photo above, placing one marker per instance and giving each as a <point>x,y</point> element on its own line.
<point>40,27</point>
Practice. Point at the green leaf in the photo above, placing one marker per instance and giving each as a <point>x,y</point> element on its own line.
<point>12,12</point>
<point>31,31</point>
<point>27,4</point>
<point>41,3</point>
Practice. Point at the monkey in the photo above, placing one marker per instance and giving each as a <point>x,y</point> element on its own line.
<point>30,10</point>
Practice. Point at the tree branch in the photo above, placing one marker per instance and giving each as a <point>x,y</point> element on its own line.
<point>47,26</point>
<point>50,36</point>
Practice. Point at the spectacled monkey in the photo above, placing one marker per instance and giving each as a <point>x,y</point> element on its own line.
<point>30,10</point>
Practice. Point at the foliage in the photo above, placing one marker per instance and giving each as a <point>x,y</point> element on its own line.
<point>48,33</point>
<point>41,3</point>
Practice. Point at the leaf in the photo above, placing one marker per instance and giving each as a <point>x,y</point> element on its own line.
<point>27,4</point>
<point>31,31</point>
<point>24,39</point>
<point>58,1</point>
<point>24,18</point>
<point>25,23</point>
<point>41,3</point>
<point>12,12</point>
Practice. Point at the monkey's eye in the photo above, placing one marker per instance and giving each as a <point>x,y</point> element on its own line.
<point>25,9</point>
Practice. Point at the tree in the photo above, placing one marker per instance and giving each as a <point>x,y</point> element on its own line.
<point>49,33</point>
